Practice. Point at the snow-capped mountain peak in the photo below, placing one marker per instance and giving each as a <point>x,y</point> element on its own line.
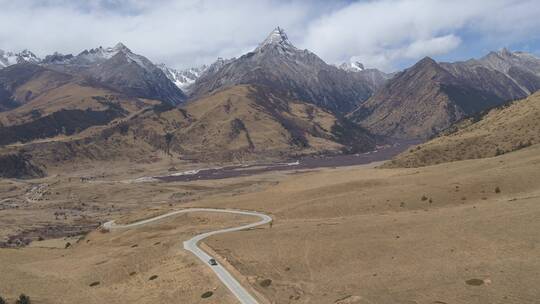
<point>352,66</point>
<point>10,58</point>
<point>504,52</point>
<point>27,56</point>
<point>277,37</point>
<point>119,47</point>
<point>183,78</point>
<point>100,54</point>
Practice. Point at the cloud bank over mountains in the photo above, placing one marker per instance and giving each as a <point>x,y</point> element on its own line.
<point>382,34</point>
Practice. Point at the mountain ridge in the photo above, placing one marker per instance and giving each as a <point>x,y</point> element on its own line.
<point>277,62</point>
<point>428,97</point>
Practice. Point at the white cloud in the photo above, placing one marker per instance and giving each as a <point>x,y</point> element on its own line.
<point>191,32</point>
<point>381,33</point>
<point>432,46</point>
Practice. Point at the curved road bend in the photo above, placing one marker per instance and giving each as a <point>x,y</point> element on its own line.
<point>191,245</point>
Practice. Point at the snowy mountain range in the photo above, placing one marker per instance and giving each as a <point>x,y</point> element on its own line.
<point>10,58</point>
<point>278,64</point>
<point>116,68</point>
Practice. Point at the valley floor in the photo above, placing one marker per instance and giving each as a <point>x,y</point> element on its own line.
<point>462,232</point>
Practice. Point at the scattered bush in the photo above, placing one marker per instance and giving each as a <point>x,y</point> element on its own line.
<point>162,107</point>
<point>168,139</point>
<point>68,244</point>
<point>23,299</point>
<point>207,294</point>
<point>497,190</point>
<point>153,277</point>
<point>2,301</point>
<point>123,127</point>
<point>475,282</point>
<point>265,283</point>
<point>94,284</point>
<point>424,198</point>
<point>522,145</point>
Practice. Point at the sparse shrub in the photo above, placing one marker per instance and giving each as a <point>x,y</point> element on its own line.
<point>402,204</point>
<point>475,282</point>
<point>424,198</point>
<point>522,145</point>
<point>35,114</point>
<point>497,189</point>
<point>153,277</point>
<point>2,301</point>
<point>430,201</point>
<point>68,244</point>
<point>168,139</point>
<point>207,294</point>
<point>96,283</point>
<point>23,299</point>
<point>265,283</point>
<point>123,127</point>
<point>162,107</point>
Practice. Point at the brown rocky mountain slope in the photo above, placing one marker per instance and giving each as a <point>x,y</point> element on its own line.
<point>504,129</point>
<point>258,120</point>
<point>21,83</point>
<point>428,97</point>
<point>239,123</point>
<point>421,101</point>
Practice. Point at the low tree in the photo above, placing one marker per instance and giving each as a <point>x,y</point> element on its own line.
<point>23,299</point>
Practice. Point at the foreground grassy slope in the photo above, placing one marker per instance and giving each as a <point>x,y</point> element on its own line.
<point>501,130</point>
<point>438,234</point>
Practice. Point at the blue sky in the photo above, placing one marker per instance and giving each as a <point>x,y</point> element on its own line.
<point>386,34</point>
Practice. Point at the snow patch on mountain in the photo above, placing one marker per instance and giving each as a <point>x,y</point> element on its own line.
<point>183,78</point>
<point>10,58</point>
<point>277,38</point>
<point>100,54</point>
<point>353,66</point>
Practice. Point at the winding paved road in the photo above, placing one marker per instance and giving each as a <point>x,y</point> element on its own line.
<point>191,245</point>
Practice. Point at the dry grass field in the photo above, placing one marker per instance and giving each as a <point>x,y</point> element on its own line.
<point>461,232</point>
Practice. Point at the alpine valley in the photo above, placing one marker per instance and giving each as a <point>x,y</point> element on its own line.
<point>297,181</point>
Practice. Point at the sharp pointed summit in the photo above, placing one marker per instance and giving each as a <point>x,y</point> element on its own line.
<point>277,64</point>
<point>120,47</point>
<point>277,37</point>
